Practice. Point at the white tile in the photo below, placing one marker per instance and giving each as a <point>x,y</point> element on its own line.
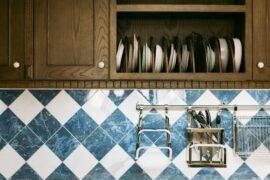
<point>3,106</point>
<point>258,163</point>
<point>128,107</point>
<point>26,107</point>
<point>181,163</point>
<point>81,161</point>
<point>233,163</point>
<point>63,107</point>
<point>172,97</point>
<point>244,98</point>
<point>117,161</point>
<point>99,107</point>
<point>153,162</point>
<point>208,98</point>
<point>10,160</point>
<point>44,161</point>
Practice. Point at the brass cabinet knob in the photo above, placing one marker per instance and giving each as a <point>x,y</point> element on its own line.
<point>260,65</point>
<point>101,64</point>
<point>16,64</point>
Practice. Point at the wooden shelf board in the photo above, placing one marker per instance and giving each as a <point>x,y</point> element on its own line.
<point>181,8</point>
<point>183,76</point>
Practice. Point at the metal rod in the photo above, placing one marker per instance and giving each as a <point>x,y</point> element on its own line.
<point>198,107</point>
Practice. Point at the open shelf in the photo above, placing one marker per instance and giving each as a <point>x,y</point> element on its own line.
<point>167,19</point>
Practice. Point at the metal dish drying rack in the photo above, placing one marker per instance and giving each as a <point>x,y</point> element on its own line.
<point>245,136</point>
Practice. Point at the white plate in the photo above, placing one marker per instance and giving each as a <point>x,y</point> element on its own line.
<point>130,56</point>
<point>224,53</point>
<point>185,57</point>
<point>171,58</point>
<point>148,58</point>
<point>238,53</point>
<point>144,59</point>
<point>212,58</point>
<point>135,53</point>
<point>158,59</point>
<point>119,55</point>
<point>174,59</point>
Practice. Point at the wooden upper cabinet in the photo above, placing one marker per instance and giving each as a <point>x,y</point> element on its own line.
<point>261,40</point>
<point>14,53</point>
<point>71,39</point>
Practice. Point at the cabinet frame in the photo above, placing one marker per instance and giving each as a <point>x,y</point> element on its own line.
<point>24,71</point>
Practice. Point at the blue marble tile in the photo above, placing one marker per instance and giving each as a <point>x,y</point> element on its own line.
<point>261,96</point>
<point>117,125</point>
<point>2,143</point>
<point>2,177</point>
<point>244,172</point>
<point>62,173</point>
<point>193,95</point>
<point>117,100</point>
<point>247,141</point>
<point>171,173</point>
<point>135,173</point>
<point>97,173</point>
<point>80,96</point>
<point>153,121</point>
<point>149,95</point>
<point>225,96</point>
<point>62,144</point>
<point>25,173</point>
<point>207,174</point>
<point>267,177</point>
<point>128,143</point>
<point>26,143</point>
<point>99,143</point>
<point>10,125</point>
<point>44,125</point>
<point>8,96</point>
<point>44,96</point>
<point>179,142</point>
<point>226,123</point>
<point>81,125</point>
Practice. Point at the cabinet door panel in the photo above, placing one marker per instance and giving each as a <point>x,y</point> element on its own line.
<point>71,38</point>
<point>261,40</point>
<point>12,39</point>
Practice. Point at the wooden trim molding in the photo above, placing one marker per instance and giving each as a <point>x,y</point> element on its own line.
<point>136,84</point>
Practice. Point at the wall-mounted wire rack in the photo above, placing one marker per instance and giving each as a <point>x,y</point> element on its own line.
<point>246,137</point>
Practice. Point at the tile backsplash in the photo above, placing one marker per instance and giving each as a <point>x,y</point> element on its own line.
<point>91,134</point>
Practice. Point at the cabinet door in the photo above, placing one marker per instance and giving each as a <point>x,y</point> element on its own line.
<point>261,40</point>
<point>13,55</point>
<point>71,39</point>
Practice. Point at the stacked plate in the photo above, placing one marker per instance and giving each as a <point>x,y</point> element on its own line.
<point>194,55</point>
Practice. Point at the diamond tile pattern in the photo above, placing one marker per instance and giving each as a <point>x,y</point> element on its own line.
<point>26,143</point>
<point>81,125</point>
<point>91,134</point>
<point>26,107</point>
<point>62,143</point>
<point>44,125</point>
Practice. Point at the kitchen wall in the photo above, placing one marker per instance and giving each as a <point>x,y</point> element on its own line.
<point>91,134</point>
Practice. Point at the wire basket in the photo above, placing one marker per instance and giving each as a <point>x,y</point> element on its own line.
<point>252,135</point>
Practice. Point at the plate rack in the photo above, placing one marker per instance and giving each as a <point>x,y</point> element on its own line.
<point>141,130</point>
<point>152,21</point>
